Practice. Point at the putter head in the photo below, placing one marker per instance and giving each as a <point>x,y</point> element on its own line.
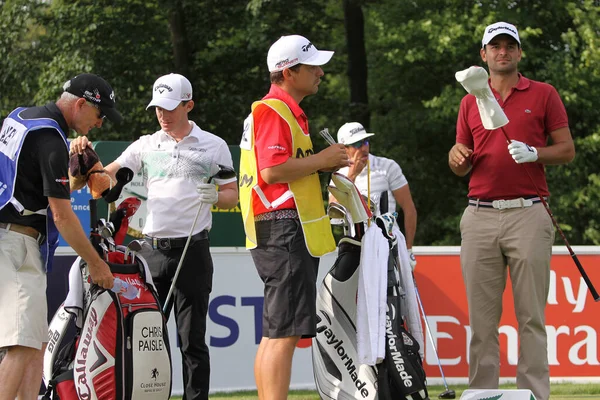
<point>447,394</point>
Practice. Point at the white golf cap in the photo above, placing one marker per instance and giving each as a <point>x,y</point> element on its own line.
<point>500,28</point>
<point>352,132</point>
<point>295,49</point>
<point>170,90</point>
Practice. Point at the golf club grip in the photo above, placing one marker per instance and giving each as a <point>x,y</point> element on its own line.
<point>587,280</point>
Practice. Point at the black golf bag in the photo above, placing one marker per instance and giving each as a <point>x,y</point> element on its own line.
<point>338,374</point>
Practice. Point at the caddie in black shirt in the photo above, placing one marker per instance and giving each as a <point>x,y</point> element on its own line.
<point>35,207</point>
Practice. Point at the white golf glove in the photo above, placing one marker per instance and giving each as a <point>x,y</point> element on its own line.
<point>522,152</point>
<point>208,193</point>
<point>413,260</point>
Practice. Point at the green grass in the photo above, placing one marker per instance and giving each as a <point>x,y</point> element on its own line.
<point>559,391</point>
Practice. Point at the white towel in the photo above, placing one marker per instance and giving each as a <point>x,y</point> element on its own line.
<point>74,300</point>
<point>371,297</point>
<point>413,319</point>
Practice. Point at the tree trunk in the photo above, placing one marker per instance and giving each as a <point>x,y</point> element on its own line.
<point>357,62</point>
<point>181,48</point>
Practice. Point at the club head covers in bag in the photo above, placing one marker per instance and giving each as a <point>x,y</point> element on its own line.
<point>121,216</point>
<point>86,168</point>
<point>475,81</point>
<point>347,194</point>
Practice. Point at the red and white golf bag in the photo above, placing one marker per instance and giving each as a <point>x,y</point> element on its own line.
<point>121,347</point>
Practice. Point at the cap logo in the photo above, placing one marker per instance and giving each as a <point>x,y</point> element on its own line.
<point>161,87</point>
<point>307,47</point>
<point>287,61</point>
<point>356,130</point>
<point>112,95</point>
<point>95,96</point>
<point>508,28</point>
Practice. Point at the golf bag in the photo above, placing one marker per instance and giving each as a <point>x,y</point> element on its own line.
<point>338,373</point>
<point>121,348</point>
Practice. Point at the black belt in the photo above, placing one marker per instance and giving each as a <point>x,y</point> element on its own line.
<point>174,243</point>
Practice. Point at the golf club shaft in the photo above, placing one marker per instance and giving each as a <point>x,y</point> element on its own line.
<point>429,332</point>
<point>166,307</point>
<point>587,280</point>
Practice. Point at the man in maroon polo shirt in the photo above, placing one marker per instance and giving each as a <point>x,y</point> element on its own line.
<point>505,224</point>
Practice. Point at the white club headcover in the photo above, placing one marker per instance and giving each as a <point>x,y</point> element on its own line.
<point>475,81</point>
<point>348,195</point>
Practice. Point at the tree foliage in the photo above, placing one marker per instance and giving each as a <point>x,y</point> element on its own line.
<point>412,51</point>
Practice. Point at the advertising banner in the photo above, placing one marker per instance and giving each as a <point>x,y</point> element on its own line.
<point>234,319</point>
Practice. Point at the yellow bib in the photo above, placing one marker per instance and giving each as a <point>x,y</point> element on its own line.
<point>306,191</point>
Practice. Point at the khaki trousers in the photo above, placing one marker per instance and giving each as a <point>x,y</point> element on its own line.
<point>517,240</point>
<point>23,306</point>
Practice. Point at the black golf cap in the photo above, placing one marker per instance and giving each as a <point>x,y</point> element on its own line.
<point>96,90</point>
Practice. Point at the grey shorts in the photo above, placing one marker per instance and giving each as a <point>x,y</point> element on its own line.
<point>289,274</point>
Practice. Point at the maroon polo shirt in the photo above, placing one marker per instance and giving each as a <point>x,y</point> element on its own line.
<point>534,110</point>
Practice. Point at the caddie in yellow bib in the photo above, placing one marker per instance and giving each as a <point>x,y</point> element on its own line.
<point>306,191</point>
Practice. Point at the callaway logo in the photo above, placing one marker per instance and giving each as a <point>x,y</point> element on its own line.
<point>502,27</point>
<point>83,389</point>
<point>100,359</point>
<point>161,87</point>
<point>307,47</point>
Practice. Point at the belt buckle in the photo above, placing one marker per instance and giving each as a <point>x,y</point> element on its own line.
<point>500,204</point>
<point>164,244</point>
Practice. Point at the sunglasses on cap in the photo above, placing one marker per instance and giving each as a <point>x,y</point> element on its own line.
<point>359,144</point>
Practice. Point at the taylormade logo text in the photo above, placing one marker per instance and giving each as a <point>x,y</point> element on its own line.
<point>407,379</point>
<point>508,28</point>
<point>337,345</point>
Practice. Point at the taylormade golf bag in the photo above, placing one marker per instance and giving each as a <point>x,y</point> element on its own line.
<point>120,349</point>
<point>338,373</point>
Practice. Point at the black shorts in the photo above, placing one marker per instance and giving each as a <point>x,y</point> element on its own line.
<point>289,273</point>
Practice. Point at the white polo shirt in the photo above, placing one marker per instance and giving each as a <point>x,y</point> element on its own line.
<point>171,171</point>
<point>386,175</point>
